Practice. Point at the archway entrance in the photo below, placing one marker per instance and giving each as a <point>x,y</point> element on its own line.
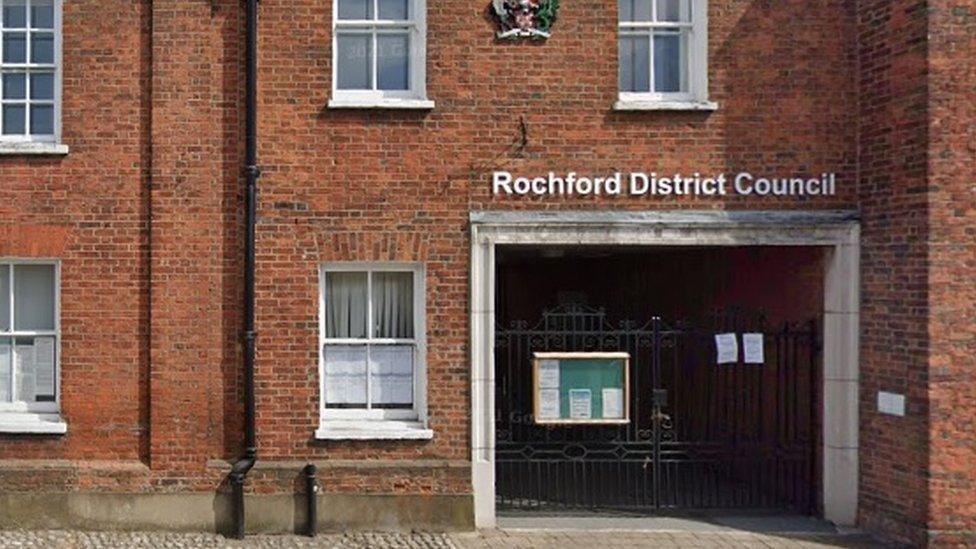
<point>704,431</point>
<point>836,233</point>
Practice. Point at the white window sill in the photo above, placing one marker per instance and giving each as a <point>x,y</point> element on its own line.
<point>373,430</point>
<point>415,104</point>
<point>30,148</point>
<point>32,424</point>
<point>638,105</point>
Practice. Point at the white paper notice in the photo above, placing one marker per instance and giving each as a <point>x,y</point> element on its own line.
<point>335,389</point>
<point>548,374</point>
<point>752,348</point>
<point>392,389</point>
<point>726,348</point>
<point>549,404</point>
<point>580,404</point>
<point>354,391</point>
<point>403,390</point>
<point>24,364</point>
<point>5,373</point>
<point>27,391</point>
<point>44,365</point>
<point>613,404</point>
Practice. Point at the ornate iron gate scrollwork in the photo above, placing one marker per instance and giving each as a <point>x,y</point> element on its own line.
<point>731,436</point>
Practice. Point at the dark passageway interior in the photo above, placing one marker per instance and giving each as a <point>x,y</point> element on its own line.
<point>736,435</point>
<point>782,283</point>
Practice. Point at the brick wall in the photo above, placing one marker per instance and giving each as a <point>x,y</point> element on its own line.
<point>952,253</point>
<point>894,331</point>
<point>917,106</point>
<point>89,210</point>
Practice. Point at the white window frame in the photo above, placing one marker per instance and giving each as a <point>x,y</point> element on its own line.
<point>34,417</point>
<point>415,97</point>
<point>36,143</point>
<point>377,423</point>
<point>696,97</point>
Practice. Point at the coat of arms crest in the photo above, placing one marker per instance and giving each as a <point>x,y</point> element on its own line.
<point>531,18</point>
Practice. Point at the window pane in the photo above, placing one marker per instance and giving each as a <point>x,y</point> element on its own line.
<point>345,376</point>
<point>42,120</point>
<point>14,118</point>
<point>345,305</point>
<point>42,86</point>
<point>393,9</point>
<point>42,47</point>
<point>391,376</point>
<point>392,67</point>
<point>4,298</point>
<point>33,362</point>
<point>355,9</point>
<point>14,47</point>
<point>6,357</point>
<point>33,297</point>
<point>42,14</point>
<point>668,63</point>
<point>670,10</point>
<point>635,64</point>
<point>393,305</point>
<point>634,10</point>
<point>14,14</point>
<point>14,85</point>
<point>355,62</point>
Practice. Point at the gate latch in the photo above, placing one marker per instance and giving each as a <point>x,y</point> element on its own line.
<point>659,416</point>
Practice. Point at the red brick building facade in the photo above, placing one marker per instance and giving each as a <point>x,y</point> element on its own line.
<point>138,203</point>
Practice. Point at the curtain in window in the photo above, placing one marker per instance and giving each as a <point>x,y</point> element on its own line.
<point>393,305</point>
<point>345,305</point>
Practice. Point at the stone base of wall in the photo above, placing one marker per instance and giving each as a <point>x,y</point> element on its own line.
<point>266,514</point>
<point>952,538</point>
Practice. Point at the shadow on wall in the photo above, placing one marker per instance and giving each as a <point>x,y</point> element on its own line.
<point>783,74</point>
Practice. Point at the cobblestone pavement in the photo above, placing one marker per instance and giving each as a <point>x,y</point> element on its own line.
<point>485,540</point>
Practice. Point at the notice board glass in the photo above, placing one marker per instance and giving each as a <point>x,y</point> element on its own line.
<point>581,388</point>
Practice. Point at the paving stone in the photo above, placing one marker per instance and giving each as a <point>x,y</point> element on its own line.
<point>20,539</point>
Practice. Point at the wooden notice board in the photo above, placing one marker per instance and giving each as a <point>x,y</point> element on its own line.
<point>581,388</point>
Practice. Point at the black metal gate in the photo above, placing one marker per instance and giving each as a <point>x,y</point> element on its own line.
<point>702,435</point>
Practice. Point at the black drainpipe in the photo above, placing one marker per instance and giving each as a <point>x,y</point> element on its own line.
<point>246,462</point>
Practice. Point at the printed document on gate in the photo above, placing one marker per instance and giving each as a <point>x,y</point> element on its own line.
<point>580,404</point>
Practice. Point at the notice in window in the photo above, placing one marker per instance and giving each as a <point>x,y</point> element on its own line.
<point>549,374</point>
<point>549,404</point>
<point>391,389</point>
<point>580,404</point>
<point>5,372</point>
<point>345,389</point>
<point>752,348</point>
<point>726,348</point>
<point>44,366</point>
<point>26,389</point>
<point>613,403</point>
<point>403,390</point>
